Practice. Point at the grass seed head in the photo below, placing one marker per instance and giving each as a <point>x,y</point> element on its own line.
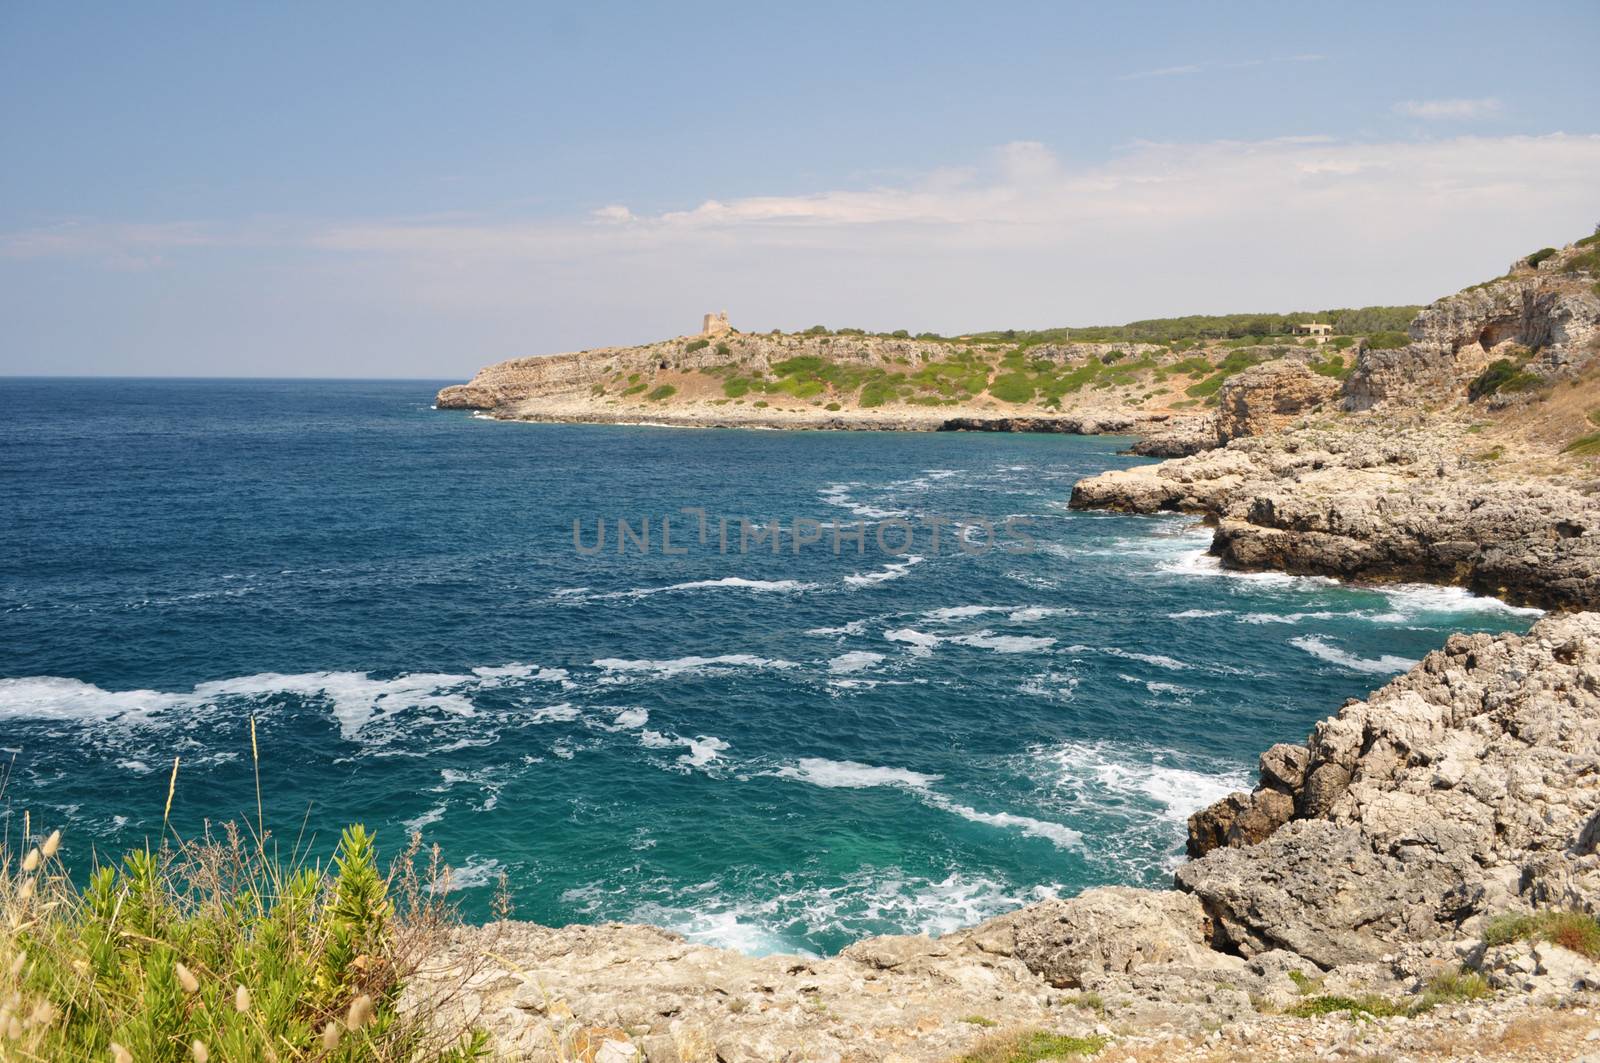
<point>241,999</point>
<point>30,863</point>
<point>51,844</point>
<point>330,1035</point>
<point>120,1054</point>
<point>360,1012</point>
<point>186,978</point>
<point>199,1051</point>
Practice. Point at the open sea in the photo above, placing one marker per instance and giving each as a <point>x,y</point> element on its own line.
<point>767,751</point>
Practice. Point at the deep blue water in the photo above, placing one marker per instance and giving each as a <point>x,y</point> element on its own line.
<point>786,751</point>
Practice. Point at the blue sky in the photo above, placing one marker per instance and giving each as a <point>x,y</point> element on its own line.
<point>411,190</point>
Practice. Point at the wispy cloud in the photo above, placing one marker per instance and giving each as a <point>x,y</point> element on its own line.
<point>1450,110</point>
<point>1202,68</point>
<point>1017,237</point>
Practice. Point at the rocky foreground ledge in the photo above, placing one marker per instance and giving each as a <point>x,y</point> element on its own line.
<point>1370,864</point>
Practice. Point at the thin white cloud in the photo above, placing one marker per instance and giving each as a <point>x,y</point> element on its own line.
<point>1201,68</point>
<point>1018,238</point>
<point>1450,110</point>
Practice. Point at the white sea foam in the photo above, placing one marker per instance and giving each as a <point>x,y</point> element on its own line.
<point>893,570</point>
<point>1038,612</point>
<point>631,719</point>
<point>1410,600</point>
<point>1063,836</point>
<point>921,644</point>
<point>964,612</point>
<point>477,872</point>
<point>765,921</point>
<point>1385,665</point>
<point>428,818</point>
<point>683,665</point>
<point>854,627</point>
<point>1122,773</point>
<point>1197,614</point>
<point>988,640</point>
<point>1157,659</point>
<point>1059,686</point>
<point>562,713</point>
<point>355,698</point>
<point>850,774</point>
<point>854,661</point>
<point>839,495</point>
<point>703,749</point>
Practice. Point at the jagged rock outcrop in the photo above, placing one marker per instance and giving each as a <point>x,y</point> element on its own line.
<point>1266,397</point>
<point>1177,438</point>
<point>1399,504</point>
<point>1465,787</point>
<point>1550,315</point>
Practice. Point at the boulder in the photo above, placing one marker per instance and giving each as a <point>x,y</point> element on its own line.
<point>1266,397</point>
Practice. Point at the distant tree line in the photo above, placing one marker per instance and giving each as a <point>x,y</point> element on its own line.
<point>1358,321</point>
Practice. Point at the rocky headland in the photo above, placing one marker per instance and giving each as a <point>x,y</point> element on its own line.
<point>1419,880</point>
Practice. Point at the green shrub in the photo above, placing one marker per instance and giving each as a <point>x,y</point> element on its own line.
<point>633,378</point>
<point>1031,1047</point>
<point>1574,931</point>
<point>877,392</point>
<point>216,944</point>
<point>816,330</point>
<point>723,350</point>
<point>833,407</point>
<point>1333,367</point>
<point>1594,416</point>
<point>1368,1004</point>
<point>1540,255</point>
<point>635,389</point>
<point>1503,374</point>
<point>1388,341</point>
<point>1012,387</point>
<point>762,404</point>
<point>736,387</point>
<point>696,345</point>
<point>1454,987</point>
<point>665,391</point>
<point>900,334</point>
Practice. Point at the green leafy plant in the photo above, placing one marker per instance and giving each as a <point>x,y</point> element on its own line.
<point>1388,341</point>
<point>1575,931</point>
<point>696,345</point>
<point>1032,1046</point>
<point>664,391</point>
<point>211,949</point>
<point>1540,255</point>
<point>1502,375</point>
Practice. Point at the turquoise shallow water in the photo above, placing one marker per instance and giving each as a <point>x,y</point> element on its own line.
<point>769,752</point>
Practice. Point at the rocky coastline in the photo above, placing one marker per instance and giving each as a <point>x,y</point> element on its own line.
<point>1418,880</point>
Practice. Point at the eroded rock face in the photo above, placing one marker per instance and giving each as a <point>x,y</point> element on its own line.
<point>1469,785</point>
<point>1549,312</point>
<point>1178,438</point>
<point>1398,504</point>
<point>1265,398</point>
<point>1111,930</point>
